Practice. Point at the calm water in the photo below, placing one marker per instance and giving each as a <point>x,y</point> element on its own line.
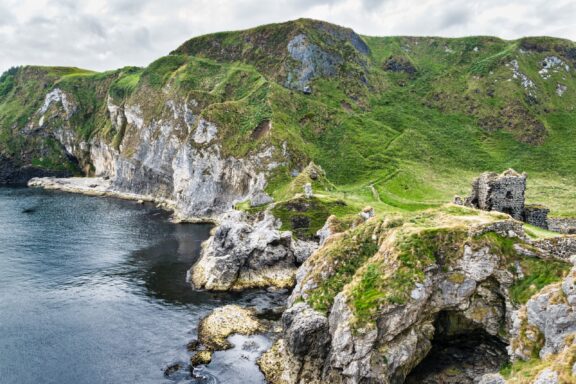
<point>93,290</point>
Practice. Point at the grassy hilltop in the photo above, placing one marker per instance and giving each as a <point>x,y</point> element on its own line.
<point>401,123</point>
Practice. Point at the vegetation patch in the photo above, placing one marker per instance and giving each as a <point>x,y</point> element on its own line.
<point>538,273</point>
<point>305,216</point>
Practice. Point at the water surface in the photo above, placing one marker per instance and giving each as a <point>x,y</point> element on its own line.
<point>93,290</point>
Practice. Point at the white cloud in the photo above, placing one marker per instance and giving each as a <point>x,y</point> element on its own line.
<point>107,34</point>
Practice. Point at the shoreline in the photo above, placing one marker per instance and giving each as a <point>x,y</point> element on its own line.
<point>102,187</point>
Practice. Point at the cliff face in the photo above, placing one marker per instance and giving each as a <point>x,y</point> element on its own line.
<point>416,301</point>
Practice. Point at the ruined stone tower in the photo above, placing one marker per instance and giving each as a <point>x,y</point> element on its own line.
<point>502,193</point>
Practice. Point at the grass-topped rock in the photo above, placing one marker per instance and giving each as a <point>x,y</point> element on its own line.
<point>393,287</point>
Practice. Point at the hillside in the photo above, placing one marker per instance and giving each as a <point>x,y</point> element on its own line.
<point>396,122</point>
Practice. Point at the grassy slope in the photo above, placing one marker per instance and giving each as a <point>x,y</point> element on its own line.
<point>403,141</point>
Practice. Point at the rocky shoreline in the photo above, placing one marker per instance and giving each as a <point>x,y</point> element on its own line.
<point>482,257</point>
<point>104,187</point>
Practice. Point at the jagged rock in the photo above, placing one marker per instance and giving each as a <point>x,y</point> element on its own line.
<point>299,355</point>
<point>174,158</point>
<point>306,331</point>
<point>367,213</point>
<point>550,316</point>
<point>328,229</point>
<point>247,253</point>
<point>450,325</point>
<point>260,198</point>
<point>547,376</point>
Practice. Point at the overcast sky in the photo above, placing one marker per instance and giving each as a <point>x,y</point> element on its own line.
<point>107,34</point>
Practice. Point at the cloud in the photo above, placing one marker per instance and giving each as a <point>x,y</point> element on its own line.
<point>107,34</point>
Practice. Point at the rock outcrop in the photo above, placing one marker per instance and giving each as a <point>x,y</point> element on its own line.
<point>247,252</point>
<point>377,303</point>
<point>545,327</point>
<point>214,330</point>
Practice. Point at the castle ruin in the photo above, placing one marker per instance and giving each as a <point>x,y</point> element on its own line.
<point>506,193</point>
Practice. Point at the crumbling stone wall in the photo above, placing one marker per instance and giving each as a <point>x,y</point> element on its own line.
<point>502,193</point>
<point>536,215</point>
<point>562,225</point>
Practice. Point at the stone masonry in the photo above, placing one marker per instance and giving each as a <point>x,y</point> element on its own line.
<point>506,193</point>
<point>502,193</point>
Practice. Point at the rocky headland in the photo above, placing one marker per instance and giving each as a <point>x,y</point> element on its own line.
<point>324,159</point>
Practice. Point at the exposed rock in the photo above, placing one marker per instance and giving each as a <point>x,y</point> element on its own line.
<point>561,89</point>
<point>399,64</point>
<point>367,213</point>
<point>308,190</point>
<point>313,62</point>
<point>492,378</point>
<point>246,253</point>
<point>172,158</point>
<point>551,314</point>
<point>329,228</point>
<point>260,198</point>
<point>299,355</point>
<point>223,322</point>
<point>201,358</point>
<point>547,376</point>
<point>449,325</point>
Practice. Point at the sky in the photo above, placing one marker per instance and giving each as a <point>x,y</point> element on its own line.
<point>109,34</point>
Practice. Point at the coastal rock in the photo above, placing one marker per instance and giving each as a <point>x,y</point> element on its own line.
<point>247,253</point>
<point>461,306</point>
<point>201,358</point>
<point>547,321</point>
<point>222,322</point>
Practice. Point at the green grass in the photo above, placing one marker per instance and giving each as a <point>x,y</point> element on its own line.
<point>304,217</point>
<point>538,274</point>
<point>348,254</point>
<point>377,287</point>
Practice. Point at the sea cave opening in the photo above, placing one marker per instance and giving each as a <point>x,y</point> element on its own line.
<point>461,352</point>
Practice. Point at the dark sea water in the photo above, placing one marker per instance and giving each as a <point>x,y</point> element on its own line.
<point>93,290</point>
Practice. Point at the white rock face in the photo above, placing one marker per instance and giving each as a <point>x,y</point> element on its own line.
<point>247,253</point>
<point>57,96</point>
<point>166,159</point>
